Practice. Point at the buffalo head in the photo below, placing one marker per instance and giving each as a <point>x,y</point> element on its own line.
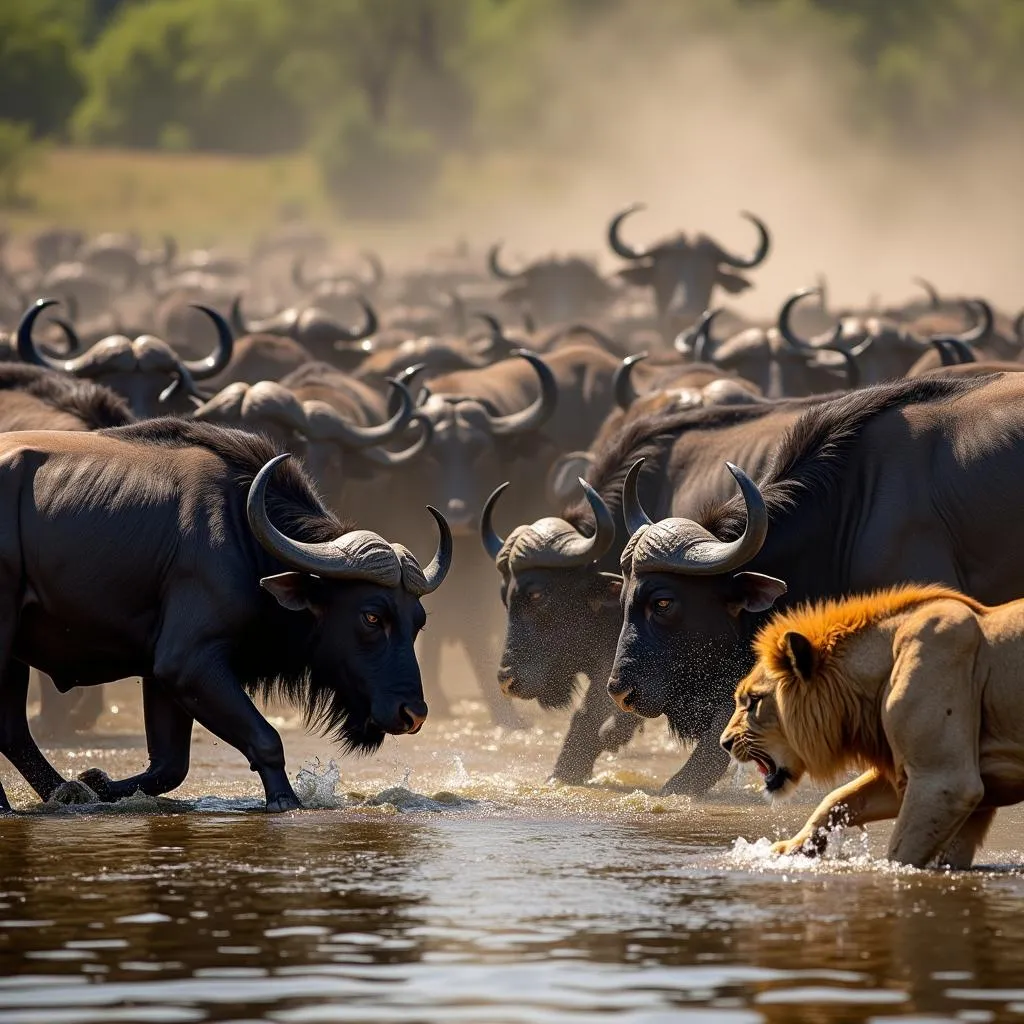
<point>695,266</point>
<point>364,596</point>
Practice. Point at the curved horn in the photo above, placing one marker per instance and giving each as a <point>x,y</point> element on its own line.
<point>934,300</point>
<point>28,350</point>
<point>492,542</point>
<point>238,324</point>
<point>218,360</point>
<point>329,425</point>
<point>711,557</point>
<point>495,267</point>
<point>590,549</point>
<point>435,572</point>
<point>497,331</point>
<point>369,326</point>
<point>850,358</point>
<point>373,261</point>
<point>70,335</point>
<point>986,321</point>
<point>458,309</point>
<point>632,511</point>
<point>946,354</point>
<point>1018,327</point>
<point>785,328</point>
<point>333,559</point>
<point>404,378</point>
<point>622,382</point>
<point>960,352</point>
<point>762,249</point>
<point>618,246</point>
<point>536,414</point>
<point>703,343</point>
<point>390,459</point>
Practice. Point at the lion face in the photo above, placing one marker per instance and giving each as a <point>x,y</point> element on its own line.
<point>755,733</point>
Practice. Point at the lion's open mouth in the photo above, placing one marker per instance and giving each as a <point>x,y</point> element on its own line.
<point>774,776</point>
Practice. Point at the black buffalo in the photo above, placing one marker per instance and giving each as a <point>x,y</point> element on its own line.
<point>913,480</point>
<point>190,556</point>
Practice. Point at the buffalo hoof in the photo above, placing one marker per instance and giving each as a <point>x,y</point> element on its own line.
<point>285,802</point>
<point>73,792</point>
<point>101,784</point>
<point>570,776</point>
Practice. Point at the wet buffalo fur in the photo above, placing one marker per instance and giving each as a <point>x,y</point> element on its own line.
<point>271,659</point>
<point>813,454</point>
<point>96,406</point>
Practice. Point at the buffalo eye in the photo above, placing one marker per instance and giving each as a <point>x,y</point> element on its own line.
<point>662,605</point>
<point>534,594</point>
<point>371,619</point>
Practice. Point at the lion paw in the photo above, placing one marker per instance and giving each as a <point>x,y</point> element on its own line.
<point>789,847</point>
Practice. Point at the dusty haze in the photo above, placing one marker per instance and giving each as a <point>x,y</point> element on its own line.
<point>701,136</point>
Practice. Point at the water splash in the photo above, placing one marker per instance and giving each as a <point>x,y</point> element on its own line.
<point>316,784</point>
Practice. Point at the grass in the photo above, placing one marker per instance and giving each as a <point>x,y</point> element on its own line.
<point>202,198</point>
<point>199,197</point>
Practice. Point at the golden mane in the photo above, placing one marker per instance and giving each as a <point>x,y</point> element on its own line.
<point>831,721</point>
<point>827,623</point>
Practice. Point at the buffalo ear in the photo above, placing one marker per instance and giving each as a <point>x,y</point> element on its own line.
<point>563,472</point>
<point>639,277</point>
<point>755,592</point>
<point>732,283</point>
<point>800,652</point>
<point>292,590</point>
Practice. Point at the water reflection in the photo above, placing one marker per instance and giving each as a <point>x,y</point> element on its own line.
<point>483,915</point>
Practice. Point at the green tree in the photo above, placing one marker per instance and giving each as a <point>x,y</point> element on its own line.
<point>40,82</point>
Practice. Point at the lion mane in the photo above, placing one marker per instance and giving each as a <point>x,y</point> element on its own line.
<point>834,723</point>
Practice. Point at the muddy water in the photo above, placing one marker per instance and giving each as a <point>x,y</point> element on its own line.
<point>443,880</point>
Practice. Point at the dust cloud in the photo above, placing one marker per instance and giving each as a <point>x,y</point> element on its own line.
<point>719,127</point>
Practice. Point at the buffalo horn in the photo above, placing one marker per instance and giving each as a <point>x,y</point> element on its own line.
<point>201,369</point>
<point>986,321</point>
<point>762,248</point>
<point>331,426</point>
<point>495,267</point>
<point>618,246</point>
<point>622,382</point>
<point>331,559</point>
<point>934,299</point>
<point>785,328</point>
<point>489,537</point>
<point>704,555</point>
<point>536,414</point>
<point>703,343</point>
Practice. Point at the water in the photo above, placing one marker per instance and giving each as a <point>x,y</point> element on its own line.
<point>443,880</point>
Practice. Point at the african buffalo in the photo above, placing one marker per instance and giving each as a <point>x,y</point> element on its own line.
<point>146,372</point>
<point>553,289</point>
<point>561,592</point>
<point>902,481</point>
<point>695,266</point>
<point>221,575</point>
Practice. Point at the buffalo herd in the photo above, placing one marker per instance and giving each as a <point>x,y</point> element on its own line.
<point>243,476</point>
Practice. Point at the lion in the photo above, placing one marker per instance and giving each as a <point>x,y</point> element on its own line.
<point>919,687</point>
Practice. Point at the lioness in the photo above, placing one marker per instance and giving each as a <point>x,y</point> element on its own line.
<point>921,686</point>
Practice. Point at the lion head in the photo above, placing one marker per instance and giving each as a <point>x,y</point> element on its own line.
<point>757,732</point>
<point>810,704</point>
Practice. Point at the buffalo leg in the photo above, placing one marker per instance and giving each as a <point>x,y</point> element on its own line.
<point>585,739</point>
<point>705,766</point>
<point>16,742</point>
<point>169,740</point>
<point>210,693</point>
